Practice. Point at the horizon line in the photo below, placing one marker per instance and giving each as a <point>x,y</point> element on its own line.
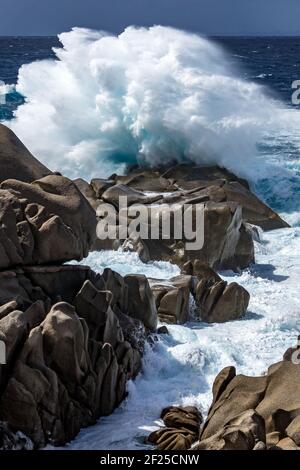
<point>260,35</point>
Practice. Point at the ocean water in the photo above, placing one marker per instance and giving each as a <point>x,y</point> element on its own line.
<point>101,101</point>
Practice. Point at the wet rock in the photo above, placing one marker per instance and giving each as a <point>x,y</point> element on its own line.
<point>201,271</point>
<point>88,192</point>
<point>113,193</point>
<point>172,439</point>
<point>181,431</point>
<point>163,330</point>
<point>231,212</point>
<point>226,245</point>
<point>217,183</point>
<point>188,417</point>
<point>99,186</point>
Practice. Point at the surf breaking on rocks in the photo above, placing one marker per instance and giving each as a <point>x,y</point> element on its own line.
<point>149,95</point>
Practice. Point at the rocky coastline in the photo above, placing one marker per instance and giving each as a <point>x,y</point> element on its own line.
<point>74,338</point>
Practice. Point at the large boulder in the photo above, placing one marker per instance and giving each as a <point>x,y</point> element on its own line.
<point>231,212</point>
<point>46,221</point>
<point>274,397</point>
<point>220,302</point>
<point>182,426</point>
<point>243,432</point>
<point>227,243</point>
<point>16,161</point>
<point>293,430</point>
<point>216,183</point>
<point>216,300</point>
<point>141,303</point>
<point>172,298</point>
<point>113,193</point>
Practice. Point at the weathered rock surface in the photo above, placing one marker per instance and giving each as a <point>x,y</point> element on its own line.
<point>182,425</point>
<point>243,432</point>
<point>247,413</point>
<point>215,299</point>
<point>231,209</point>
<point>47,221</point>
<point>141,302</point>
<point>227,243</point>
<point>172,298</point>
<point>274,397</point>
<point>16,161</point>
<point>216,183</point>
<point>68,354</point>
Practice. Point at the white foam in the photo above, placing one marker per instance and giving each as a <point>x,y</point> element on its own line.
<point>147,95</point>
<point>129,262</point>
<point>181,367</point>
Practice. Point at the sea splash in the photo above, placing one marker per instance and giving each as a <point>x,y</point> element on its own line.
<point>147,96</point>
<point>180,367</point>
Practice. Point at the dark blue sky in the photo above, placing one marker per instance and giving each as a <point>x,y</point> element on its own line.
<point>228,17</point>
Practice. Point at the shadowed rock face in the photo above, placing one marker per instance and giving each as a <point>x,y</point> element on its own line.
<point>16,161</point>
<point>72,342</point>
<point>141,301</point>
<point>227,244</point>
